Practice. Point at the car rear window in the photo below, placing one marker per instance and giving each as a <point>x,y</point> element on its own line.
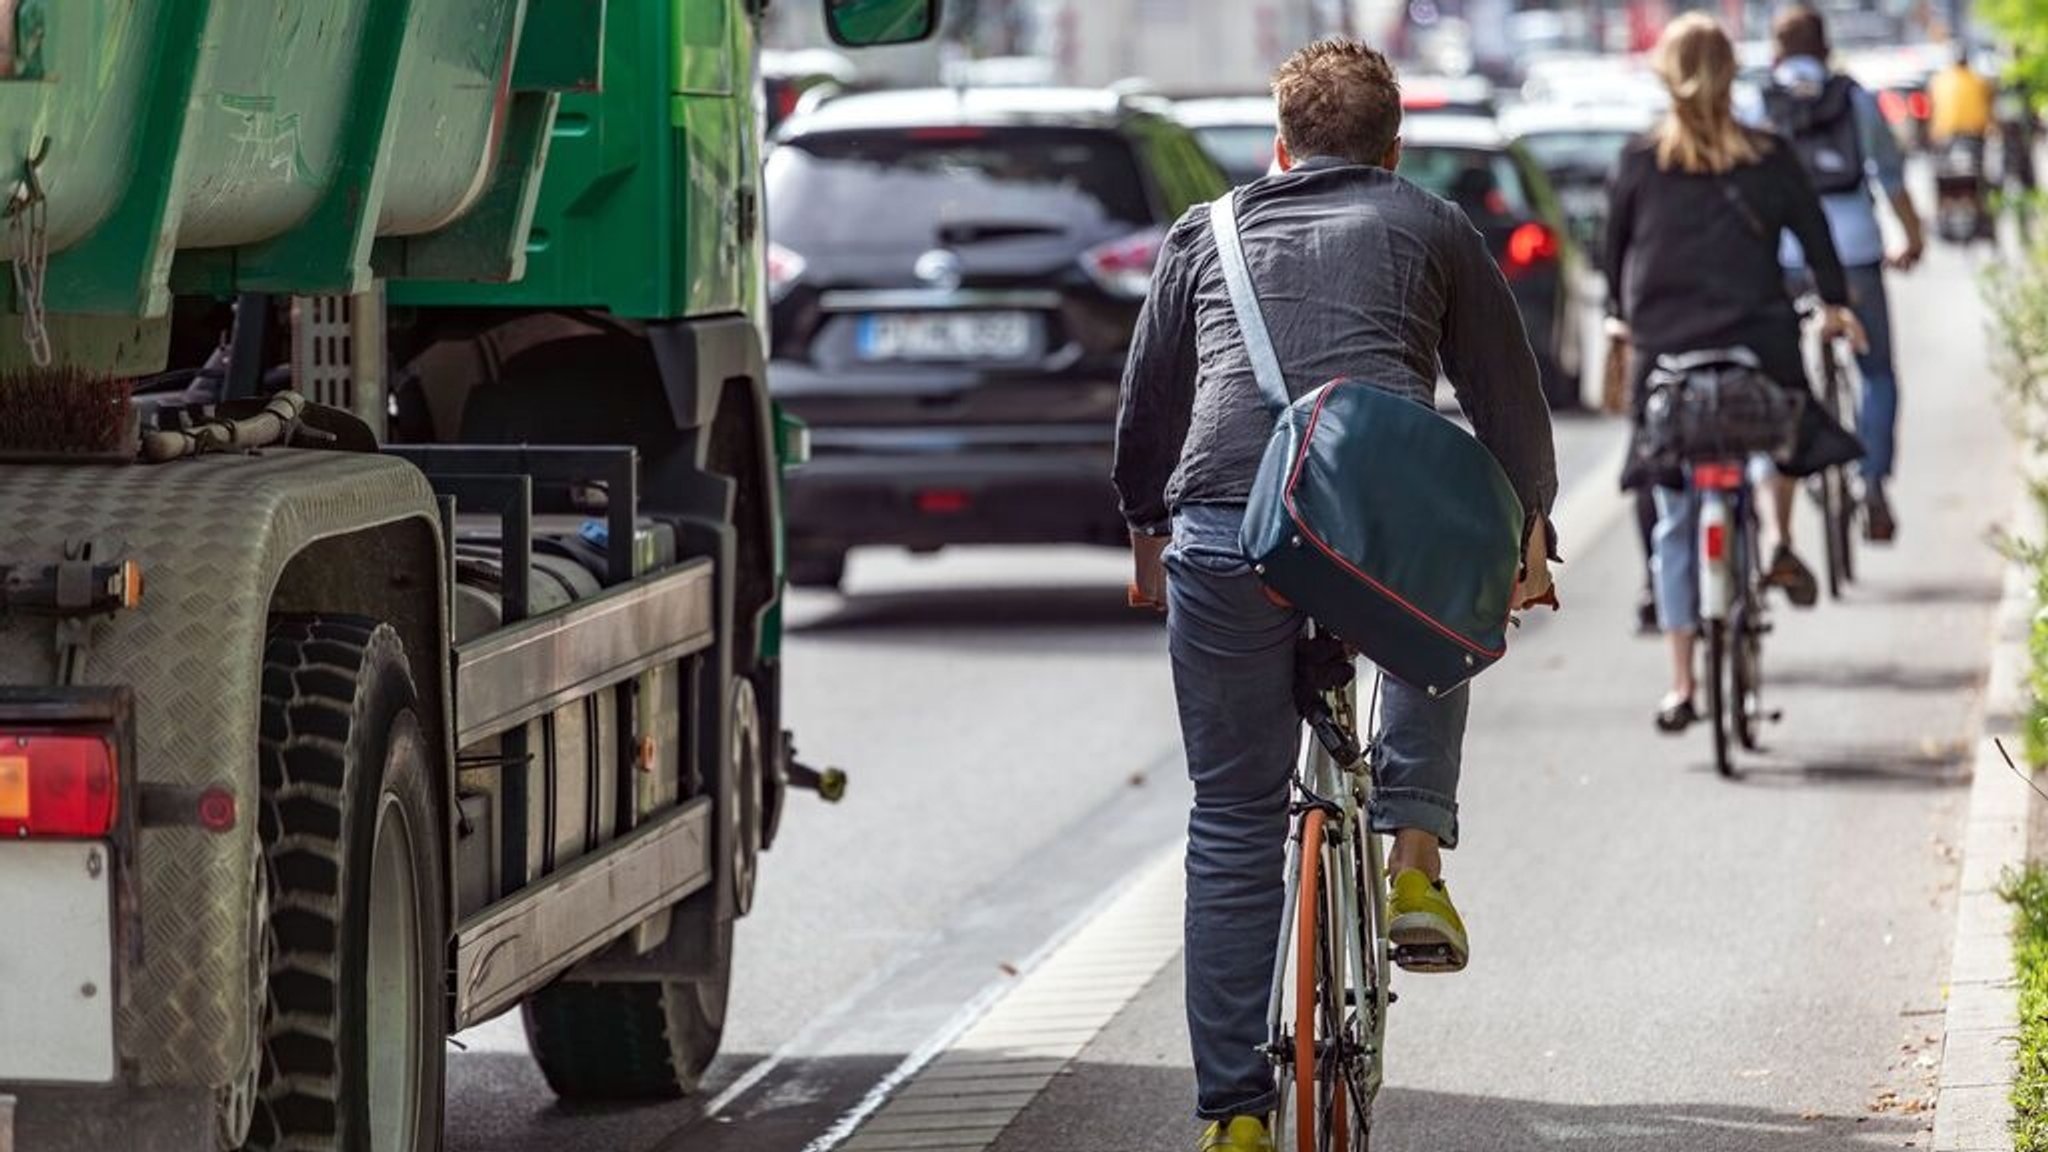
<point>1244,150</point>
<point>1577,153</point>
<point>900,187</point>
<point>1484,182</point>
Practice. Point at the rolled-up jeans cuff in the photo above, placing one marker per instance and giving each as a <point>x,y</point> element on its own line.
<point>1396,808</point>
<point>1260,1106</point>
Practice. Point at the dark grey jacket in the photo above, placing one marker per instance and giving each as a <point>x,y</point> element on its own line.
<point>1361,274</point>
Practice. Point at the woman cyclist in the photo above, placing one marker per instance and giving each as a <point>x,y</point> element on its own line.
<point>1698,206</point>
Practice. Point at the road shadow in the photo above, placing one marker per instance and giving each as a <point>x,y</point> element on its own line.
<point>1096,1107</point>
<point>1874,766</point>
<point>1986,590</point>
<point>498,1102</point>
<point>1878,677</point>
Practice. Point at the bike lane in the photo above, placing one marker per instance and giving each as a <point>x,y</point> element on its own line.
<point>1663,958</point>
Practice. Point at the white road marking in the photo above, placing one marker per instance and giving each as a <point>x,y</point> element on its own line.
<point>965,1085</point>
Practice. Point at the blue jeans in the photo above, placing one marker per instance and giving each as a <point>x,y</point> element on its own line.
<point>1233,677</point>
<point>1877,421</point>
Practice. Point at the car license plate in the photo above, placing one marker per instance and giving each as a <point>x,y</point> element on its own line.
<point>56,963</point>
<point>948,336</point>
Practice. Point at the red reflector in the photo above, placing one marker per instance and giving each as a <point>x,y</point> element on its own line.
<point>1717,541</point>
<point>59,785</point>
<point>1919,105</point>
<point>1530,245</point>
<point>217,810</point>
<point>1717,477</point>
<point>943,501</point>
<point>949,132</point>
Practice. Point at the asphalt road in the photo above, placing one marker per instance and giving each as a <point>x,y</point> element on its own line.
<point>1663,958</point>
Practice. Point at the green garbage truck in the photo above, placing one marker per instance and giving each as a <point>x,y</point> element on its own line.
<point>390,554</point>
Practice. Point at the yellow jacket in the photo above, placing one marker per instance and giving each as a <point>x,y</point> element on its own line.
<point>1962,104</point>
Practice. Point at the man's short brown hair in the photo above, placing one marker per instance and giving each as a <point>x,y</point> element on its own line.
<point>1338,98</point>
<point>1800,31</point>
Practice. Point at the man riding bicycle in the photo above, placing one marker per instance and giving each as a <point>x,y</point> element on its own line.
<point>1363,275</point>
<point>1841,138</point>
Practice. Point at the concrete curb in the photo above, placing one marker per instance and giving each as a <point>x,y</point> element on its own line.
<point>1973,1103</point>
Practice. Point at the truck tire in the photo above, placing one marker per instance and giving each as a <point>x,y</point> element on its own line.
<point>354,1024</point>
<point>627,1040</point>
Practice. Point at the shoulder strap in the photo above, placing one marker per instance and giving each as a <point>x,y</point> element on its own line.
<point>1244,301</point>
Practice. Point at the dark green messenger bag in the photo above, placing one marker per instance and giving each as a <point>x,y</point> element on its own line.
<point>1385,522</point>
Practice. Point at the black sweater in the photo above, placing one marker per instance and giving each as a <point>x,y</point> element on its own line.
<point>1691,267</point>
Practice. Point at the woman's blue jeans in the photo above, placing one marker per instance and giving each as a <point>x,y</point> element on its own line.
<point>1233,676</point>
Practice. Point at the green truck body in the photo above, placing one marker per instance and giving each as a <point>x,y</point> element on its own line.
<point>477,705</point>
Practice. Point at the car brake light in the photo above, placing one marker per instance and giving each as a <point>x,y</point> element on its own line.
<point>785,268</point>
<point>1717,541</point>
<point>1124,267</point>
<point>943,501</point>
<point>1892,105</point>
<point>57,785</point>
<point>1424,102</point>
<point>1919,105</point>
<point>1529,245</point>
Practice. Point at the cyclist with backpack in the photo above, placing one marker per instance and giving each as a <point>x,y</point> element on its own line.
<point>1362,275</point>
<point>1842,141</point>
<point>1698,208</point>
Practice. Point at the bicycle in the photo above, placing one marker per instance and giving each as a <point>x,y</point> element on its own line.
<point>1327,1018</point>
<point>1733,619</point>
<point>1837,499</point>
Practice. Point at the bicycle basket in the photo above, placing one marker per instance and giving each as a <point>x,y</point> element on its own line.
<point>1718,404</point>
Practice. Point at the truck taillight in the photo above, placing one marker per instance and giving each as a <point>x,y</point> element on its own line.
<point>1124,267</point>
<point>57,785</point>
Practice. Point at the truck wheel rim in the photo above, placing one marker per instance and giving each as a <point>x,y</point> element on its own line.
<point>391,984</point>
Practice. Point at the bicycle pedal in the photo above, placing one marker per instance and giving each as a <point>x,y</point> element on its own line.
<point>1427,958</point>
<point>1775,716</point>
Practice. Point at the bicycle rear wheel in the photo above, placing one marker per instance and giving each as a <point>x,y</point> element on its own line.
<point>1746,675</point>
<point>1331,1099</point>
<point>1839,499</point>
<point>1721,703</point>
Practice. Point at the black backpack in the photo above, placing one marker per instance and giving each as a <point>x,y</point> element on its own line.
<point>1823,132</point>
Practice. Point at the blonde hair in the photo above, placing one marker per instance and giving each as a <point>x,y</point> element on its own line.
<point>1697,64</point>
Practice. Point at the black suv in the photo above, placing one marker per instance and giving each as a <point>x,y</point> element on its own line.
<point>954,277</point>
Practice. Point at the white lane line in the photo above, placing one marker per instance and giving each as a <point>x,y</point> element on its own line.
<point>963,1088</point>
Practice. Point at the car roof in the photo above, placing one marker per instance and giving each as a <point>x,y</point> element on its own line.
<point>1533,119</point>
<point>1225,111</point>
<point>1452,131</point>
<point>929,107</point>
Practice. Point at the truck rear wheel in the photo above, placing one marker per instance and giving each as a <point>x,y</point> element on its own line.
<point>354,1029</point>
<point>625,1040</point>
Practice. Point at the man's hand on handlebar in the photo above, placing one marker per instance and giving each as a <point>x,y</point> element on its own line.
<point>1908,258</point>
<point>1838,322</point>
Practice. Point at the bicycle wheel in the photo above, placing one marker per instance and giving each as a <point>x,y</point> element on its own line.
<point>1719,704</point>
<point>1327,1100</point>
<point>1746,674</point>
<point>1841,519</point>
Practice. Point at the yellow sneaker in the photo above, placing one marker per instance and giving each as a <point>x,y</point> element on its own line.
<point>1424,925</point>
<point>1242,1134</point>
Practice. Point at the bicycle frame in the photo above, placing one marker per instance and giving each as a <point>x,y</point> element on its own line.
<point>1345,794</point>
